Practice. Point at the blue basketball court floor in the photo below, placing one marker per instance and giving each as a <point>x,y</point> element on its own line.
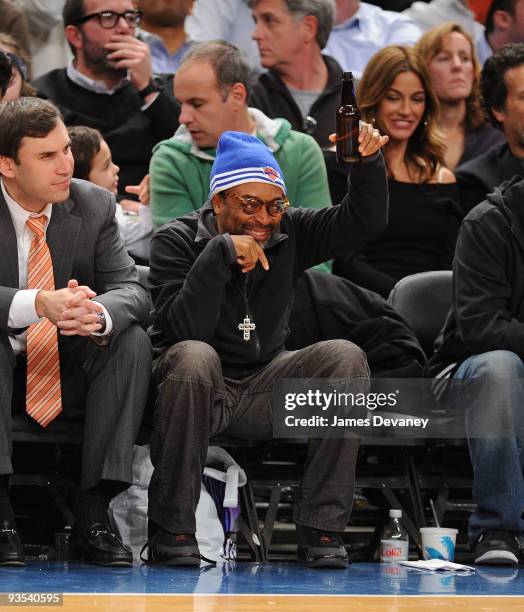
<point>270,586</point>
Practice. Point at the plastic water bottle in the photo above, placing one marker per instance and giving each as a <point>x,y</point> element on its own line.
<point>394,542</point>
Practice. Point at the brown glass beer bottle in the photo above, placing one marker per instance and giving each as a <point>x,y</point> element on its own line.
<point>348,119</point>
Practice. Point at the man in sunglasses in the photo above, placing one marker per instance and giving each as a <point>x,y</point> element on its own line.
<point>222,280</point>
<point>110,86</point>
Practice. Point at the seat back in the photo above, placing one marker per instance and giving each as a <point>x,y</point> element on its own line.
<point>424,300</point>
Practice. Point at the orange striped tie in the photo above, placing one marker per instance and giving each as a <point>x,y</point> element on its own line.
<point>43,394</point>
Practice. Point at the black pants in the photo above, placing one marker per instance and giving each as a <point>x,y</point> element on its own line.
<point>105,387</point>
<point>195,402</point>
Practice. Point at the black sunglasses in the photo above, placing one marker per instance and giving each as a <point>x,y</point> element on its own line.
<point>109,19</point>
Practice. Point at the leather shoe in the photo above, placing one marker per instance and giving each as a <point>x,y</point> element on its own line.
<point>11,549</point>
<point>100,545</point>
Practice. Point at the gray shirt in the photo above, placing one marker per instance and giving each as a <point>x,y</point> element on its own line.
<point>304,99</point>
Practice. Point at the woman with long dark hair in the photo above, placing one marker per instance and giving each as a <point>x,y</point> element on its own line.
<point>395,94</point>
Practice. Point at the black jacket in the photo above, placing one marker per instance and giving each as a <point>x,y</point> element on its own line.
<point>199,292</point>
<point>328,307</point>
<point>479,176</point>
<point>270,94</point>
<point>487,313</point>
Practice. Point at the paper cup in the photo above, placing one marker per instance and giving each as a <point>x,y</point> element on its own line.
<point>438,543</point>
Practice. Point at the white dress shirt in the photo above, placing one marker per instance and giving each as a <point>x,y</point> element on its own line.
<point>353,42</point>
<point>229,20</point>
<point>22,312</point>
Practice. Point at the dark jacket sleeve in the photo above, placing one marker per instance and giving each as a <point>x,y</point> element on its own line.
<point>116,278</point>
<point>188,294</point>
<point>337,230</point>
<point>482,289</point>
<point>163,114</point>
<point>7,295</point>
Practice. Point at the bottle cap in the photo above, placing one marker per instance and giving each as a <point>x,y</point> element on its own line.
<point>395,513</point>
<point>347,75</point>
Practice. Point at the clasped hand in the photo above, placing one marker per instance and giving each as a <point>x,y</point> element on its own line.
<point>70,309</point>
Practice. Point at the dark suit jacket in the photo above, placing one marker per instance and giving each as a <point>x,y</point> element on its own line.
<point>480,176</point>
<point>85,244</point>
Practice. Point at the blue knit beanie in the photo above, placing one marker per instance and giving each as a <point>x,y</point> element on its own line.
<point>241,158</point>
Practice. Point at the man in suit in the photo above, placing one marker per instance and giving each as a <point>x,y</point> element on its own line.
<point>71,308</point>
<point>502,83</point>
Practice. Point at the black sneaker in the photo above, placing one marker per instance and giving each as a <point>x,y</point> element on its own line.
<point>168,549</point>
<point>323,549</point>
<point>497,547</point>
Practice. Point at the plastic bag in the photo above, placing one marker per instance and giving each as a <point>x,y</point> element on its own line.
<point>216,512</point>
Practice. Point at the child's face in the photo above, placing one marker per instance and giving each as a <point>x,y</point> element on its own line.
<point>103,171</point>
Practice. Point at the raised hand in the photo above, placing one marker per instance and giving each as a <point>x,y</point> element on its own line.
<point>142,191</point>
<point>129,53</point>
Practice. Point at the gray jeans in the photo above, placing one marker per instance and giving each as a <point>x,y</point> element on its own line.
<point>195,402</point>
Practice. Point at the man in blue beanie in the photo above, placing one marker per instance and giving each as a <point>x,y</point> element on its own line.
<point>222,280</point>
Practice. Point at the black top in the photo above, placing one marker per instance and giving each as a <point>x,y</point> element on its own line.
<point>480,140</point>
<point>423,224</point>
<point>480,176</point>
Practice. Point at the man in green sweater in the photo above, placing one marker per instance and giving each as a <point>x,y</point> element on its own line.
<point>211,87</point>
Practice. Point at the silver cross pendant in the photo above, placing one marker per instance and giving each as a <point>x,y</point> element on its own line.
<point>247,327</point>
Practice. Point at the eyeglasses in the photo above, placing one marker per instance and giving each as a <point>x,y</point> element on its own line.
<point>109,19</point>
<point>251,205</point>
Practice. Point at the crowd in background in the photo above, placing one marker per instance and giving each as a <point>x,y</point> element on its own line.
<point>292,75</point>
